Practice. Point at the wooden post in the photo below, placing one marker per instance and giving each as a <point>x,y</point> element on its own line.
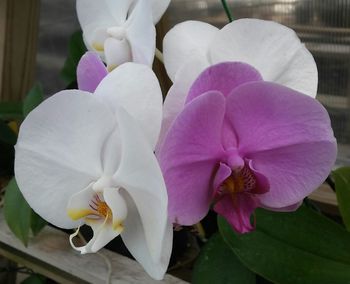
<point>19,23</point>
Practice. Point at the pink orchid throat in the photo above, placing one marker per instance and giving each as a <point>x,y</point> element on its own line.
<point>236,188</point>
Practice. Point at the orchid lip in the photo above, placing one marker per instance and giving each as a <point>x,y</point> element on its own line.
<point>240,181</point>
<point>102,207</point>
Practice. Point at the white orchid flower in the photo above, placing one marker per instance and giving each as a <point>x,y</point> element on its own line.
<point>121,30</point>
<point>85,158</point>
<point>273,49</point>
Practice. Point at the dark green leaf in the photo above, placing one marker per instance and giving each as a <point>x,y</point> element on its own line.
<point>342,187</point>
<point>76,51</point>
<point>34,279</point>
<point>218,264</point>
<point>301,247</point>
<point>7,135</point>
<point>33,99</point>
<point>17,212</point>
<point>10,111</point>
<point>7,156</point>
<point>37,223</point>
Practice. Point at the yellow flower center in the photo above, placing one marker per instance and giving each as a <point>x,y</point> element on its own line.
<point>101,207</point>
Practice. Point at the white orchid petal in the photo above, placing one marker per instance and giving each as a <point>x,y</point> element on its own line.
<point>139,174</point>
<point>94,14</point>
<point>111,152</point>
<point>301,74</point>
<point>273,49</point>
<point>119,9</point>
<point>58,152</point>
<point>185,41</point>
<point>79,205</point>
<point>158,9</point>
<point>141,33</point>
<point>118,207</point>
<point>135,240</point>
<point>136,88</point>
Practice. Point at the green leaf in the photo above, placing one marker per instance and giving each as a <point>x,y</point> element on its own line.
<point>17,212</point>
<point>7,157</point>
<point>301,247</point>
<point>218,264</point>
<point>76,51</point>
<point>34,279</point>
<point>7,136</point>
<point>342,188</point>
<point>33,99</point>
<point>10,111</point>
<point>37,223</point>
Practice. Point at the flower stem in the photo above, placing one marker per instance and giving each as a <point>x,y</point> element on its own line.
<point>227,10</point>
<point>200,230</point>
<point>159,55</point>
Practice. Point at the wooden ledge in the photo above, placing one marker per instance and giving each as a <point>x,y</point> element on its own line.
<point>50,254</point>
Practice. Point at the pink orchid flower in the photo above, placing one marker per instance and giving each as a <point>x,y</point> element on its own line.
<point>241,143</point>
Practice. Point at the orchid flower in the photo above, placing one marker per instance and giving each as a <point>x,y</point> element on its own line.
<point>84,158</point>
<point>121,30</point>
<point>241,143</point>
<point>273,49</point>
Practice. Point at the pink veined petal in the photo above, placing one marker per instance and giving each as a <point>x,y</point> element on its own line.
<point>175,99</point>
<point>294,171</point>
<point>288,137</point>
<point>223,77</point>
<point>237,211</point>
<point>90,72</point>
<point>189,155</point>
<point>266,116</point>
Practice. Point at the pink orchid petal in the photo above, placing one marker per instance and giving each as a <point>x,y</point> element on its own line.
<point>90,72</point>
<point>223,77</point>
<point>294,171</point>
<point>288,137</point>
<point>265,116</point>
<point>237,211</point>
<point>189,155</point>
